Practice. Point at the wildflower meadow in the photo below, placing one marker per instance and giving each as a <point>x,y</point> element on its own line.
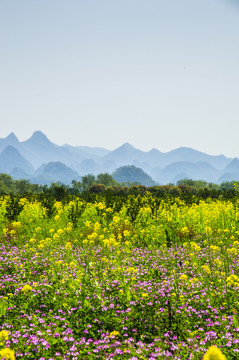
<point>134,277</point>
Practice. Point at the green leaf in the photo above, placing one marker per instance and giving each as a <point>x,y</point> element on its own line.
<point>235,322</point>
<point>54,341</point>
<point>3,307</point>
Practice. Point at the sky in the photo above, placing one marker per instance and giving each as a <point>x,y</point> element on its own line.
<point>155,73</point>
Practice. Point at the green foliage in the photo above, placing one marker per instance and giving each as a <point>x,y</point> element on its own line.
<point>3,307</point>
<point>198,184</point>
<point>185,189</point>
<point>47,203</point>
<point>97,188</point>
<point>121,269</point>
<point>25,187</point>
<point>58,191</point>
<point>75,212</point>
<point>87,181</point>
<point>13,208</point>
<point>7,184</point>
<point>106,179</point>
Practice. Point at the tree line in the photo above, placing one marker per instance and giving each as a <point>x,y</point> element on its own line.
<point>105,183</point>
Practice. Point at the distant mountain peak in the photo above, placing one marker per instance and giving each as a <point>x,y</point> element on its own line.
<point>12,137</point>
<point>11,158</point>
<point>184,149</point>
<point>38,137</point>
<point>126,146</point>
<point>154,151</point>
<point>10,150</point>
<point>232,166</point>
<point>39,134</point>
<point>235,160</point>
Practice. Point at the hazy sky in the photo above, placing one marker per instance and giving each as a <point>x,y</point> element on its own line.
<point>155,73</point>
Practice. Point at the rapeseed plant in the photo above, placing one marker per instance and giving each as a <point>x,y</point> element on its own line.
<point>214,353</point>
<point>7,354</point>
<point>26,288</point>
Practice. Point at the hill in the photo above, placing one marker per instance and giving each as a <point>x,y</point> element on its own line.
<point>54,172</point>
<point>11,158</point>
<point>131,173</point>
<point>163,168</point>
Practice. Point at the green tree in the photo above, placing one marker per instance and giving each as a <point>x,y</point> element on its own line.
<point>87,181</point>
<point>7,184</point>
<point>77,187</point>
<point>23,186</point>
<point>97,188</point>
<point>106,179</point>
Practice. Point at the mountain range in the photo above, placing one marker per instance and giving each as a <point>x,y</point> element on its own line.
<point>41,161</point>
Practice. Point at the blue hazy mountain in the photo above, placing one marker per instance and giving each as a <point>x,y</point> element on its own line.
<point>231,172</point>
<point>189,170</point>
<point>10,158</point>
<point>86,151</point>
<point>38,149</point>
<point>11,139</point>
<point>123,155</point>
<point>54,172</point>
<point>132,174</point>
<point>127,154</point>
<point>162,167</point>
<point>88,166</point>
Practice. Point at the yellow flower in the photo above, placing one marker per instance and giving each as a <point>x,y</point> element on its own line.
<point>126,233</point>
<point>214,353</point>
<point>232,251</point>
<point>3,335</point>
<point>195,247</point>
<point>68,245</point>
<point>214,248</point>
<point>101,206</point>
<point>26,288</point>
<point>116,219</point>
<point>217,262</point>
<point>96,226</point>
<point>183,277</point>
<point>114,333</point>
<point>55,236</point>
<point>7,354</point>
<point>16,224</point>
<point>206,269</point>
<point>23,201</point>
<point>232,280</point>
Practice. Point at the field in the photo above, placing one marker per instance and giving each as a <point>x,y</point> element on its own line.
<point>133,277</point>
